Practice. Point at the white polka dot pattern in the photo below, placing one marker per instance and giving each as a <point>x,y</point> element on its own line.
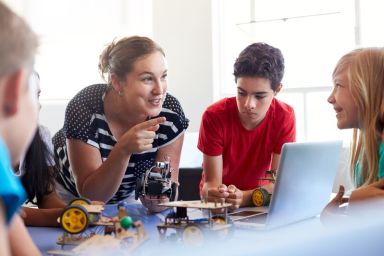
<point>85,120</point>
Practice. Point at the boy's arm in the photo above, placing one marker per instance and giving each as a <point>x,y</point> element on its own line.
<point>275,161</point>
<point>246,197</point>
<point>213,188</point>
<point>213,172</point>
<point>274,165</point>
<point>19,239</point>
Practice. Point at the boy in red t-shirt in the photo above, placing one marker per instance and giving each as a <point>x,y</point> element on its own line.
<point>241,137</point>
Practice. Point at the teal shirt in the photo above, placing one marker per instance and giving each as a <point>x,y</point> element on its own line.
<point>380,173</point>
<point>12,192</point>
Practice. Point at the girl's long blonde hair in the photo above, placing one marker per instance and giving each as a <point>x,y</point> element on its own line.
<point>365,72</point>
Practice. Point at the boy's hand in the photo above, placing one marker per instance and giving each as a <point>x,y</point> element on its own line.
<point>217,194</point>
<point>235,197</point>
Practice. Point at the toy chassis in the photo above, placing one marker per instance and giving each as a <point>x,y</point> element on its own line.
<point>194,232</point>
<point>80,213</point>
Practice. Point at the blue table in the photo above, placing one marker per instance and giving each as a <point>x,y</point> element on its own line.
<point>304,238</point>
<point>45,237</point>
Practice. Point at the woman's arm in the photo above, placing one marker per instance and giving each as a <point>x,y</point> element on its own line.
<point>99,180</point>
<point>94,179</point>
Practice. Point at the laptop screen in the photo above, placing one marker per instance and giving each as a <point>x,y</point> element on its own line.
<point>304,181</point>
<point>303,184</point>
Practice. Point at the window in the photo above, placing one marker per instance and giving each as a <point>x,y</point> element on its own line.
<point>312,37</point>
<point>73,34</point>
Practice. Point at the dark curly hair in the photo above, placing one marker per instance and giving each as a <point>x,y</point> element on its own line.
<point>260,60</point>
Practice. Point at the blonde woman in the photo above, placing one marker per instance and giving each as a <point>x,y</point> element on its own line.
<point>358,99</point>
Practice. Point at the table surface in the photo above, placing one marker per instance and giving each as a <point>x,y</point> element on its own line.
<point>304,237</point>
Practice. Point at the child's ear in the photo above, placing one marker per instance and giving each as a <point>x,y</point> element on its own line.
<point>278,89</point>
<point>12,90</point>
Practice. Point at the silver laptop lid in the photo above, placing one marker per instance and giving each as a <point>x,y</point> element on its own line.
<point>304,181</point>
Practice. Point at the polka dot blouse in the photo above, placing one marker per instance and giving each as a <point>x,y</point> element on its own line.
<point>85,120</point>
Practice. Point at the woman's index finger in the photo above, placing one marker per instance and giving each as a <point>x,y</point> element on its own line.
<point>152,122</point>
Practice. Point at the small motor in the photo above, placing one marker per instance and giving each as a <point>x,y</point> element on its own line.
<point>157,182</point>
<point>261,196</point>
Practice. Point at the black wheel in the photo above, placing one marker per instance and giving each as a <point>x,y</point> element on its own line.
<point>80,201</point>
<point>74,219</point>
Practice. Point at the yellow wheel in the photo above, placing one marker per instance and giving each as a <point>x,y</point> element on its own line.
<point>218,220</point>
<point>223,232</point>
<point>260,197</point>
<point>74,219</point>
<point>193,235</point>
<point>80,201</point>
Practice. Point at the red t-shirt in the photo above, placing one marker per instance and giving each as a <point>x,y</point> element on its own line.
<point>247,154</point>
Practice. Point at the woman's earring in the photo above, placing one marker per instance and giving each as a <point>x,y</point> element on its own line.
<point>120,93</point>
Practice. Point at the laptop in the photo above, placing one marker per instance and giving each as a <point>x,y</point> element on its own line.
<point>302,189</point>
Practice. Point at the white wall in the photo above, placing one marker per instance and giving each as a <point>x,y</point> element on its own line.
<point>184,30</point>
<point>52,114</point>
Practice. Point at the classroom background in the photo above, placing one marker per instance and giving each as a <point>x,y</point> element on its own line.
<point>201,40</point>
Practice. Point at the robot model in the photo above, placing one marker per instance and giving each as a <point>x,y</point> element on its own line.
<point>157,182</point>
